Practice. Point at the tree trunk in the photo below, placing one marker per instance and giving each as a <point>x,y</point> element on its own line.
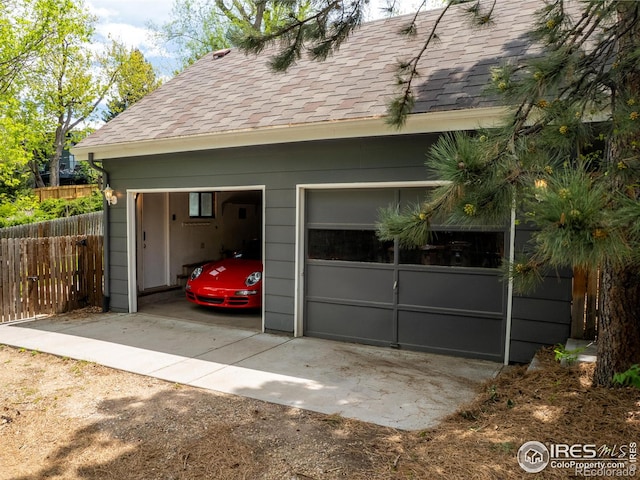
<point>619,327</point>
<point>37,178</point>
<point>54,162</point>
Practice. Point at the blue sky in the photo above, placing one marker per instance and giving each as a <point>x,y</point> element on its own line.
<point>128,21</point>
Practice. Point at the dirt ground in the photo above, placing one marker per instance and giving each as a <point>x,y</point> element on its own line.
<point>67,419</point>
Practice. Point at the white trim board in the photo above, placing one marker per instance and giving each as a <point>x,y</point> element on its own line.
<point>432,122</point>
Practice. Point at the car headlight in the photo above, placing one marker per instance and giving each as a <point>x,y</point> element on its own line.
<point>246,293</point>
<point>252,279</point>
<point>196,273</point>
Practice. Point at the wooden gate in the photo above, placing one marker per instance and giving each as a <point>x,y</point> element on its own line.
<point>49,275</point>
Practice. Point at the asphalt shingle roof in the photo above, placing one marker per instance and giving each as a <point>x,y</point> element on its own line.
<point>239,92</point>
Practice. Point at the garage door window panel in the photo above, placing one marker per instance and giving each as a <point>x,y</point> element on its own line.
<point>458,249</point>
<point>348,246</point>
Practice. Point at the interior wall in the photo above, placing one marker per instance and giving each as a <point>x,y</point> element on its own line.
<point>241,222</point>
<point>192,239</point>
<point>196,240</point>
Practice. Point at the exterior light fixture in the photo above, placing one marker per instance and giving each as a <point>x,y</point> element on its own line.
<point>109,195</point>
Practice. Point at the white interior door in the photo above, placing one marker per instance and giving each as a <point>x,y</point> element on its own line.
<point>154,240</point>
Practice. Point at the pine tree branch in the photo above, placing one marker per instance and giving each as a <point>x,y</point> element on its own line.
<point>401,106</point>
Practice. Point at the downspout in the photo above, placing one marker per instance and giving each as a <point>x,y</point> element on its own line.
<point>105,232</point>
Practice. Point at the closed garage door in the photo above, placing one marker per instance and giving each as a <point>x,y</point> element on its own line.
<point>446,296</point>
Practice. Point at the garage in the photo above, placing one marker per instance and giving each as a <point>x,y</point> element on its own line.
<point>176,231</point>
<point>446,296</point>
<point>184,161</point>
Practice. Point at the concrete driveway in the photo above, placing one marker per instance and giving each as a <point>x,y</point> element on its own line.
<point>395,388</point>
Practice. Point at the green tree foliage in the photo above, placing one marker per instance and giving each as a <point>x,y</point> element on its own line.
<point>63,84</point>
<point>25,208</point>
<point>202,26</point>
<point>136,79</point>
<point>51,83</point>
<point>14,135</point>
<point>318,29</point>
<point>566,158</point>
<point>195,28</point>
<point>26,27</point>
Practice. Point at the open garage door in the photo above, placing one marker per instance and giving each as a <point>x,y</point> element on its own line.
<point>445,296</point>
<point>196,227</point>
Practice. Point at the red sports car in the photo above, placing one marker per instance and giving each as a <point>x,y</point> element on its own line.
<point>228,283</point>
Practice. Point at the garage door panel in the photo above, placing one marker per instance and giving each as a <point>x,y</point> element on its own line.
<point>456,290</point>
<point>349,322</point>
<point>359,289</point>
<point>475,336</point>
<point>346,206</point>
<point>350,282</point>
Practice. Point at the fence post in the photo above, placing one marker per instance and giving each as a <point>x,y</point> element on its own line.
<point>591,315</point>
<point>578,303</point>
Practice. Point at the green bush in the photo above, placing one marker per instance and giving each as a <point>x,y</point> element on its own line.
<point>630,378</point>
<point>26,209</point>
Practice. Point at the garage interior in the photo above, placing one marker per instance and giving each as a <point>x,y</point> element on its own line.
<point>178,231</point>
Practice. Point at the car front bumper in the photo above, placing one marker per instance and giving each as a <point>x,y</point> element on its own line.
<point>225,298</point>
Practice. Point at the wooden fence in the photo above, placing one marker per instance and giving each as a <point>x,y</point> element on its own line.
<point>49,275</point>
<point>67,192</point>
<point>85,224</point>
<point>585,306</point>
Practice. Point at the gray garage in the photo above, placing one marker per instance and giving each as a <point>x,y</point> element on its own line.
<point>314,148</point>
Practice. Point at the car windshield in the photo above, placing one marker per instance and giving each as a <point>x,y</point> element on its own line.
<point>251,251</point>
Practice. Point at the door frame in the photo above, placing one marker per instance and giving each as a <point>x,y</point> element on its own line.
<point>132,229</point>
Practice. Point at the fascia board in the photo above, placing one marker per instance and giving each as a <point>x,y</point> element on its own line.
<point>371,127</point>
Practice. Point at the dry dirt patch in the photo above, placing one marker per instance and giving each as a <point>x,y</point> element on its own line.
<point>67,419</point>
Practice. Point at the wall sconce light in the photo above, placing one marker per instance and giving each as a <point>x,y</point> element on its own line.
<point>109,196</point>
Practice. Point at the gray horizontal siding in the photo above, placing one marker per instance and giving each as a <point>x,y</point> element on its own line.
<point>543,317</point>
<point>279,198</point>
<point>280,269</point>
<point>280,233</point>
<point>280,168</point>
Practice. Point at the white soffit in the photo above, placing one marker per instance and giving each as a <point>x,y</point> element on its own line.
<point>434,122</point>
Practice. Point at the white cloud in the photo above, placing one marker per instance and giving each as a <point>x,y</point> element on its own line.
<point>127,21</point>
<point>135,12</point>
<point>102,13</point>
<point>132,37</point>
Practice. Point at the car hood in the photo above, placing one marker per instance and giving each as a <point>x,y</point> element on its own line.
<point>231,270</point>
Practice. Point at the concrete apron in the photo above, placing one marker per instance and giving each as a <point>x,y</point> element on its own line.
<point>394,388</point>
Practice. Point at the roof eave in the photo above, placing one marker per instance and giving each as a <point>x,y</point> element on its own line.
<point>431,122</point>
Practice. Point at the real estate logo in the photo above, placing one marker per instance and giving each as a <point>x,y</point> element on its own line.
<point>533,457</point>
<point>584,460</point>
